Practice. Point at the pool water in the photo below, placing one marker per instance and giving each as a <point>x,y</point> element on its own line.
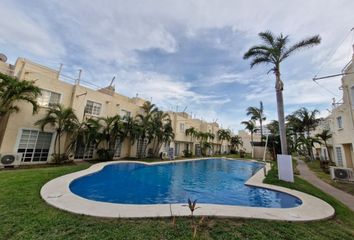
<point>212,181</point>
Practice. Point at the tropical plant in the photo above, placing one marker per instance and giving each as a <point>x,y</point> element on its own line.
<point>112,134</point>
<point>13,93</point>
<point>223,135</point>
<point>257,115</point>
<point>307,119</point>
<point>250,126</point>
<point>62,119</point>
<point>307,143</point>
<point>325,135</point>
<point>236,142</point>
<point>273,51</point>
<point>192,132</point>
<point>85,135</point>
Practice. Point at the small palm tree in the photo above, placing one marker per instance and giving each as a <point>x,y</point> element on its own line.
<point>307,143</point>
<point>250,126</point>
<point>236,142</point>
<point>307,119</point>
<point>273,51</point>
<point>62,119</point>
<point>257,115</point>
<point>325,135</point>
<point>13,93</point>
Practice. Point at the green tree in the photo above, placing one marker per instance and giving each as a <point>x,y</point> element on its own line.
<point>307,119</point>
<point>236,142</point>
<point>273,51</point>
<point>250,126</point>
<point>224,135</point>
<point>63,120</point>
<point>257,114</point>
<point>325,135</point>
<point>13,93</point>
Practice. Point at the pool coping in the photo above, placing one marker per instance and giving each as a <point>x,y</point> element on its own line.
<point>57,193</point>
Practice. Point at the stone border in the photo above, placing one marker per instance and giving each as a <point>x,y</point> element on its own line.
<point>57,193</point>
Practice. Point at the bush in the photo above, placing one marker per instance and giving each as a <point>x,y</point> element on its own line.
<point>105,155</point>
<point>233,151</point>
<point>187,153</point>
<point>60,158</point>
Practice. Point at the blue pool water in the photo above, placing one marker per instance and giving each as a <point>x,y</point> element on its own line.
<point>213,181</point>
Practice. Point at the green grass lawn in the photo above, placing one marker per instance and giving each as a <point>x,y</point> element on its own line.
<point>344,186</point>
<point>24,215</point>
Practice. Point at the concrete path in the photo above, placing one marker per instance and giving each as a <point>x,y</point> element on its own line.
<point>311,177</point>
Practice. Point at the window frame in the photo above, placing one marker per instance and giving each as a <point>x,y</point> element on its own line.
<point>49,105</point>
<point>94,104</point>
<point>339,122</point>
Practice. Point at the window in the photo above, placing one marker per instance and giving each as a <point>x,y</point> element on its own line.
<point>339,122</point>
<point>125,114</point>
<point>93,108</point>
<point>117,148</point>
<point>34,145</point>
<point>339,156</point>
<point>48,98</point>
<point>84,152</point>
<point>181,127</point>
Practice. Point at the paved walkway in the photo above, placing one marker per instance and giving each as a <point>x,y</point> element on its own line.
<point>311,177</point>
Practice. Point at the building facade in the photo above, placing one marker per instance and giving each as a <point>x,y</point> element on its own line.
<point>340,122</point>
<point>19,134</point>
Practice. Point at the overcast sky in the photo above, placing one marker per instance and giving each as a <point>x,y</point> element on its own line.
<point>185,54</point>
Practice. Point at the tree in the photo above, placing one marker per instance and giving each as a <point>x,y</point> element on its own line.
<point>192,132</point>
<point>13,93</point>
<point>325,135</point>
<point>62,119</point>
<point>112,133</point>
<point>307,119</point>
<point>273,51</point>
<point>144,121</point>
<point>236,142</point>
<point>257,115</point>
<point>308,144</point>
<point>224,135</point>
<point>250,126</point>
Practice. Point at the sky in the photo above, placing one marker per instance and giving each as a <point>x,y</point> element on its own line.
<point>186,54</point>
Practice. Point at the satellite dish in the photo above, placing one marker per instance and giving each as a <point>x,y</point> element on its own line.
<point>3,57</point>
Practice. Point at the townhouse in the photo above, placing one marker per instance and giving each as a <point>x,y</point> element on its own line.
<point>341,124</point>
<point>19,134</point>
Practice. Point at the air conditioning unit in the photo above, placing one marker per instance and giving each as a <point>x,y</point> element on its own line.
<point>340,173</point>
<point>10,159</point>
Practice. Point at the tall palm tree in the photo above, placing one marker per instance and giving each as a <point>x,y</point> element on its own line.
<point>273,51</point>
<point>13,93</point>
<point>250,126</point>
<point>325,135</point>
<point>62,119</point>
<point>257,114</point>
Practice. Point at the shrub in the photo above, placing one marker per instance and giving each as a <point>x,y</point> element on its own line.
<point>187,153</point>
<point>105,155</point>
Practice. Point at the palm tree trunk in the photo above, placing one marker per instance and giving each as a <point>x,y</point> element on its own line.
<point>261,125</point>
<point>281,119</point>
<point>329,155</point>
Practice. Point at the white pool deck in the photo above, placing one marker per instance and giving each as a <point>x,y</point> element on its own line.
<point>57,193</point>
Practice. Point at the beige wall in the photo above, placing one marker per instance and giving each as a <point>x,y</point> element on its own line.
<point>344,137</point>
<point>76,96</point>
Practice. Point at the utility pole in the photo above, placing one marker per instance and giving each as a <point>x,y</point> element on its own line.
<point>79,77</point>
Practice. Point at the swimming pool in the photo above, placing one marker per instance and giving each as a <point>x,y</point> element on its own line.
<point>210,181</point>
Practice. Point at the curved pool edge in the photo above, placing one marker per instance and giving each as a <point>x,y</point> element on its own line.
<point>57,193</point>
